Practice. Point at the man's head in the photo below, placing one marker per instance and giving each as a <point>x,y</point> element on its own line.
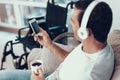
<point>99,22</point>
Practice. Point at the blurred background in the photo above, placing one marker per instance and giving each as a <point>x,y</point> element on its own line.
<point>13,14</point>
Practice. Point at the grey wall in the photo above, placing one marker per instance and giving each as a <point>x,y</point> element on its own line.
<point>115,5</point>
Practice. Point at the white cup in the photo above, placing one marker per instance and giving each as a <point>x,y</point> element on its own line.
<point>35,64</point>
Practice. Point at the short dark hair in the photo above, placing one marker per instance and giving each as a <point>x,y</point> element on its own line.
<point>100,20</point>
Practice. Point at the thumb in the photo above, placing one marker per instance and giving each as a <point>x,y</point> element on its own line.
<point>40,70</point>
<point>41,29</point>
<point>41,74</point>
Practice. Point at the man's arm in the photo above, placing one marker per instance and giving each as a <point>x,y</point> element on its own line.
<point>44,39</point>
<point>58,51</point>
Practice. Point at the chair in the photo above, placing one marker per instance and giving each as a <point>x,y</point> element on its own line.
<point>66,38</point>
<point>8,50</point>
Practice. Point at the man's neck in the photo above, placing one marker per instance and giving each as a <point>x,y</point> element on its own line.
<point>92,46</point>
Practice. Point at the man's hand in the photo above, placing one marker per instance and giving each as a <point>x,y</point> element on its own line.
<point>43,38</point>
<point>38,76</point>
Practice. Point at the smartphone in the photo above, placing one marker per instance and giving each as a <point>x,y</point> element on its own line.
<point>34,25</point>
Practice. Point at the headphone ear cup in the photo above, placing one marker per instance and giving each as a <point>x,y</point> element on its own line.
<point>83,33</point>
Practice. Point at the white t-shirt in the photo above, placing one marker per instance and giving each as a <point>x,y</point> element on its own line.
<point>80,65</point>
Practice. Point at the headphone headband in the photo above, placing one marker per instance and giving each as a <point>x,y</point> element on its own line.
<point>87,13</point>
<point>83,31</point>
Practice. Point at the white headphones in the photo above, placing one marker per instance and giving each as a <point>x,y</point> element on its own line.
<point>83,31</point>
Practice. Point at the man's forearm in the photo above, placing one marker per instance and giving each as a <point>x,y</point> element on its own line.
<point>58,51</point>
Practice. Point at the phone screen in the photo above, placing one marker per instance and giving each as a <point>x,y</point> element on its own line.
<point>35,27</point>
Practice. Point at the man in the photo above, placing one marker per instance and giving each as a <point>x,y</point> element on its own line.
<point>93,59</point>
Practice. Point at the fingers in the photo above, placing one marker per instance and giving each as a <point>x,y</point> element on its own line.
<point>42,37</point>
<point>41,33</point>
<point>37,36</point>
<point>38,71</point>
<point>41,29</point>
<point>38,76</point>
<point>33,34</point>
